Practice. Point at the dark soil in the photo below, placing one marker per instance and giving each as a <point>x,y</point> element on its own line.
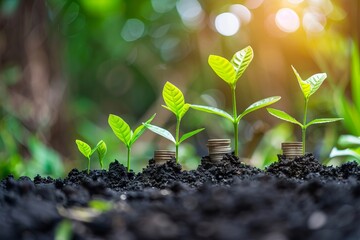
<point>292,199</point>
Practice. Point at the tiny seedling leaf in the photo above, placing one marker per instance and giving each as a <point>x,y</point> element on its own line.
<point>213,110</point>
<point>84,148</point>
<point>323,120</point>
<point>184,110</point>
<point>315,82</point>
<point>305,87</point>
<point>120,128</point>
<point>173,98</point>
<point>140,130</point>
<point>344,153</point>
<point>223,68</point>
<point>241,61</point>
<point>190,134</point>
<point>257,105</point>
<point>101,151</point>
<point>283,116</point>
<point>162,132</point>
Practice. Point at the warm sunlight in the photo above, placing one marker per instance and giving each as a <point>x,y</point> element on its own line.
<point>287,20</point>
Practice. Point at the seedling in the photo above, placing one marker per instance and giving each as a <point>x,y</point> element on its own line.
<point>308,88</point>
<point>86,150</point>
<point>122,130</point>
<point>230,72</point>
<point>175,102</point>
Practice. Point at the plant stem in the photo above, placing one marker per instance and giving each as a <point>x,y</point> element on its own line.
<point>304,125</point>
<point>178,120</point>
<point>128,158</point>
<point>235,123</point>
<point>88,168</point>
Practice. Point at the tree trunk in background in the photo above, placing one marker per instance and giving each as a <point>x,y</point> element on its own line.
<point>27,45</point>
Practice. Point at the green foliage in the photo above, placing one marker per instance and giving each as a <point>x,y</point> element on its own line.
<point>347,146</point>
<point>230,72</point>
<point>122,130</point>
<point>86,150</point>
<point>63,230</point>
<point>308,88</point>
<point>175,103</point>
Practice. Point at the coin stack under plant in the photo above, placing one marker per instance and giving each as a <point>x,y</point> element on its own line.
<point>162,156</point>
<point>292,149</point>
<point>217,148</point>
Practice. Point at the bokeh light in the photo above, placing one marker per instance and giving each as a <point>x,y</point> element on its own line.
<point>190,12</point>
<point>287,20</point>
<point>133,30</point>
<point>227,24</point>
<point>242,12</point>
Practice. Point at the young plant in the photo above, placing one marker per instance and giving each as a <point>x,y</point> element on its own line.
<point>308,88</point>
<point>86,150</point>
<point>175,103</point>
<point>230,72</point>
<point>122,130</point>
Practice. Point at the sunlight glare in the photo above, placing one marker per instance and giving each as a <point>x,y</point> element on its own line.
<point>313,22</point>
<point>190,12</point>
<point>295,1</point>
<point>287,20</point>
<point>227,24</point>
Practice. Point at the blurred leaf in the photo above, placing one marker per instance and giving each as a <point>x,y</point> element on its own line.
<point>355,75</point>
<point>63,230</point>
<point>323,120</point>
<point>348,141</point>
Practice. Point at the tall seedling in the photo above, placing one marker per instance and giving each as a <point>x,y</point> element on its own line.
<point>122,130</point>
<point>175,103</point>
<point>230,72</point>
<point>308,88</point>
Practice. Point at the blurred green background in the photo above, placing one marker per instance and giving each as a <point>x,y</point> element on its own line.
<point>66,64</point>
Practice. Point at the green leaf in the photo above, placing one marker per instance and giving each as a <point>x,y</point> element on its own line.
<point>349,141</point>
<point>101,151</point>
<point>140,130</point>
<point>213,110</point>
<point>120,128</point>
<point>162,132</point>
<point>343,153</point>
<point>190,134</point>
<point>304,86</point>
<point>173,98</point>
<point>257,105</point>
<point>223,68</point>
<point>184,110</point>
<point>84,148</point>
<point>241,61</point>
<point>315,82</point>
<point>323,120</point>
<point>283,116</point>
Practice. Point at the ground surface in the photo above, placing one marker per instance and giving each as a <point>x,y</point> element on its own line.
<point>292,199</point>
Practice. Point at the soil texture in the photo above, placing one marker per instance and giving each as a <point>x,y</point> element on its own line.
<point>290,200</point>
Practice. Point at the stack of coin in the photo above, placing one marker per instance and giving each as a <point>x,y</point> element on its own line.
<point>292,149</point>
<point>162,156</point>
<point>217,148</point>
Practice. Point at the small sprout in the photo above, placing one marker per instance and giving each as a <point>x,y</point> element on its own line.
<point>175,103</point>
<point>230,72</point>
<point>86,150</point>
<point>122,130</point>
<point>308,88</point>
<point>101,151</point>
